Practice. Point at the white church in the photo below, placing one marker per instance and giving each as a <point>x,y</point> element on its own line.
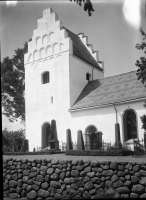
<point>65,82</point>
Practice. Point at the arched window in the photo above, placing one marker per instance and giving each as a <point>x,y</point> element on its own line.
<point>130,125</point>
<point>45,78</point>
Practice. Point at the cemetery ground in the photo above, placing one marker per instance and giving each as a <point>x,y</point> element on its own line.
<point>132,158</point>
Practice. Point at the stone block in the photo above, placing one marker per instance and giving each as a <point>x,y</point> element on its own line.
<point>89,185</point>
<point>128,184</point>
<point>54,176</point>
<point>32,195</point>
<point>124,196</point>
<point>13,196</point>
<point>87,169</point>
<point>117,184</point>
<point>13,183</point>
<point>107,173</point>
<point>113,165</point>
<point>123,190</point>
<point>44,186</point>
<point>143,181</point>
<point>133,196</point>
<point>50,171</point>
<point>74,173</point>
<point>134,179</point>
<point>40,178</point>
<point>138,189</point>
<point>55,184</point>
<point>90,174</point>
<point>69,180</point>
<point>42,193</point>
<point>143,196</point>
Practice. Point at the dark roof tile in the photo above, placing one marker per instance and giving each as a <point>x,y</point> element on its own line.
<point>112,89</point>
<point>81,51</point>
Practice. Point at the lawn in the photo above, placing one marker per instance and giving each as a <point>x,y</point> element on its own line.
<point>84,158</point>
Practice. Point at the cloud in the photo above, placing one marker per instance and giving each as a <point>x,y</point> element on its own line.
<point>11,3</point>
<point>131,12</point>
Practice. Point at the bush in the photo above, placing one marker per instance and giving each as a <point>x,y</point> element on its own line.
<point>33,153</point>
<point>12,136</point>
<point>95,152</point>
<point>143,120</point>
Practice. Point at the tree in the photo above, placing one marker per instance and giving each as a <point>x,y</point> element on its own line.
<point>11,136</point>
<point>13,85</point>
<point>141,71</point>
<point>141,63</point>
<point>87,5</point>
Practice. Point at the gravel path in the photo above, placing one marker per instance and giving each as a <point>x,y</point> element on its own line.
<point>85,158</point>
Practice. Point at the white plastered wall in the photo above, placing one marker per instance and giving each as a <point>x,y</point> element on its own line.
<point>104,118</point>
<point>48,51</point>
<point>77,76</point>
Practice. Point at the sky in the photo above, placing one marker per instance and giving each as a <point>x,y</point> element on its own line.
<point>113,29</point>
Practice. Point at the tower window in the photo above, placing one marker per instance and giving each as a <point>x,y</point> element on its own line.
<point>45,77</point>
<point>88,76</point>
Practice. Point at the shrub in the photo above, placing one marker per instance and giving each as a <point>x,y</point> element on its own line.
<point>143,120</point>
<point>33,153</point>
<point>94,152</point>
<point>12,136</point>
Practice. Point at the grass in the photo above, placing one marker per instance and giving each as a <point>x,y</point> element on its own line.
<point>141,158</point>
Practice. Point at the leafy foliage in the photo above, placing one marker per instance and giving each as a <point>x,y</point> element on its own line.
<point>141,63</point>
<point>49,152</point>
<point>11,136</point>
<point>13,85</point>
<point>117,152</point>
<point>141,72</point>
<point>143,120</point>
<point>87,5</point>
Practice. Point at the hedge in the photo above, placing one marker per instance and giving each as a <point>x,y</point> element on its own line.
<point>99,152</point>
<point>34,153</point>
<point>77,153</point>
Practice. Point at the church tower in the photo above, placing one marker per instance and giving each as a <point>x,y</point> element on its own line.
<point>58,65</point>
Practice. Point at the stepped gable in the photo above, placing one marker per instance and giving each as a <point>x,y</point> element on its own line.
<point>51,38</point>
<point>106,91</point>
<point>83,50</point>
<point>48,39</point>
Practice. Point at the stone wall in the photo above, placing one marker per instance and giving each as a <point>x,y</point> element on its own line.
<point>50,179</point>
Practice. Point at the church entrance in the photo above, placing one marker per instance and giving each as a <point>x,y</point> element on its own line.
<point>46,135</point>
<point>130,125</point>
<point>91,138</point>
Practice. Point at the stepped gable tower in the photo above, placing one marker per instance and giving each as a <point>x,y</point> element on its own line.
<point>58,65</point>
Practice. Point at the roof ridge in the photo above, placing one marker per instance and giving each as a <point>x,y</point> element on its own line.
<point>81,51</point>
<point>115,75</point>
<point>70,31</point>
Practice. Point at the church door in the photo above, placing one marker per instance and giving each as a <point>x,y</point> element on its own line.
<point>130,125</point>
<point>46,136</point>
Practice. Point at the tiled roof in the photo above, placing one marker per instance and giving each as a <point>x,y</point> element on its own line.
<point>81,51</point>
<point>105,91</point>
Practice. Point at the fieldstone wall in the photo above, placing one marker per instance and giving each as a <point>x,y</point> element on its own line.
<point>50,179</point>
